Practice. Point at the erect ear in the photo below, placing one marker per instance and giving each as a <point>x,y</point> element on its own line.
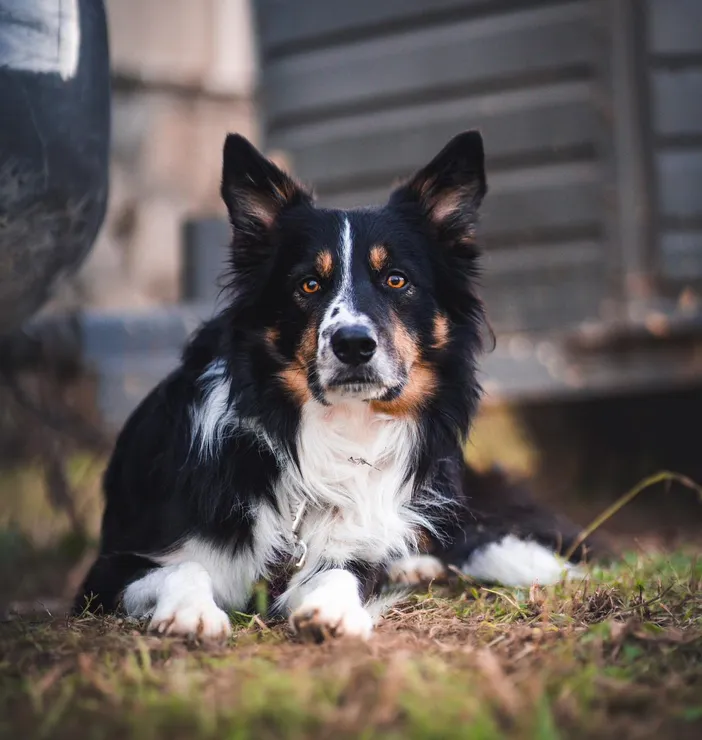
<point>450,188</point>
<point>254,190</point>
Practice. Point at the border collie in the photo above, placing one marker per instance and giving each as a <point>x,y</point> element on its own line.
<point>313,433</point>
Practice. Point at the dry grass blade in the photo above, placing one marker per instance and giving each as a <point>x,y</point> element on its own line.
<point>620,503</point>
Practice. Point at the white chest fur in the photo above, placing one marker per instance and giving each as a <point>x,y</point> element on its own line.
<point>353,476</point>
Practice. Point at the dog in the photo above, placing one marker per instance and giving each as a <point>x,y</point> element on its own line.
<point>313,432</point>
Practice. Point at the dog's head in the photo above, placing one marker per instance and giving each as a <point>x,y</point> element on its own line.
<point>366,304</point>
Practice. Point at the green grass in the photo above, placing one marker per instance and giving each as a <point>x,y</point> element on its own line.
<point>618,654</point>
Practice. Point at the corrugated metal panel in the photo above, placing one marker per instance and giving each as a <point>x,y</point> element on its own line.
<point>281,28</point>
<point>359,94</point>
<point>675,26</point>
<point>555,121</point>
<point>423,61</point>
<point>678,101</point>
<point>674,47</point>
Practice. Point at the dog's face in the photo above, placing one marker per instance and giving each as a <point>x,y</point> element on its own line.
<point>361,304</point>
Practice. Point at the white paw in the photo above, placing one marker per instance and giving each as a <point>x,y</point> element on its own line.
<point>416,570</point>
<point>318,622</point>
<point>514,562</point>
<point>205,621</point>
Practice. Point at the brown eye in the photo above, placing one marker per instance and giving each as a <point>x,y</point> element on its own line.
<point>310,286</point>
<point>395,280</point>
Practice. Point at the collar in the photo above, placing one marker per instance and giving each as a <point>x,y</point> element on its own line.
<point>297,511</point>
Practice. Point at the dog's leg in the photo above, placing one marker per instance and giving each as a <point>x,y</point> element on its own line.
<point>416,569</point>
<point>508,560</point>
<point>502,536</point>
<point>512,561</point>
<point>106,581</point>
<point>328,605</point>
<point>180,600</point>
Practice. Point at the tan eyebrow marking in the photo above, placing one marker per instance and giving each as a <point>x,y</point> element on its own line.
<point>378,257</point>
<point>325,264</point>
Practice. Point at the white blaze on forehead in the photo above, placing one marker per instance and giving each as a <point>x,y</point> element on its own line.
<point>346,257</point>
<point>342,309</point>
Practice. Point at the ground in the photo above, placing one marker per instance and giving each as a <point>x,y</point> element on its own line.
<point>618,654</point>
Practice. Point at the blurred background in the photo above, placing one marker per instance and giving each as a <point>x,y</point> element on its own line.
<point>591,112</point>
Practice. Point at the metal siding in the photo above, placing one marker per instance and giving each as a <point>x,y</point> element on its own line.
<point>527,302</point>
<point>678,101</point>
<point>682,255</point>
<point>680,185</point>
<point>675,26</point>
<point>526,203</point>
<point>675,70</point>
<point>358,95</point>
<point>281,25</point>
<point>556,120</point>
<point>421,62</point>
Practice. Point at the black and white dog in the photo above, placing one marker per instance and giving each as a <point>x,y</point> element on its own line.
<point>313,434</point>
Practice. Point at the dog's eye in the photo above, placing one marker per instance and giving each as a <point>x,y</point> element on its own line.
<point>396,280</point>
<point>310,286</point>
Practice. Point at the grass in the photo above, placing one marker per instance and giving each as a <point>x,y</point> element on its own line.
<point>617,654</point>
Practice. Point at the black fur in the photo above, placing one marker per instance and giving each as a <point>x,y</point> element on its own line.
<point>159,491</point>
<point>495,506</point>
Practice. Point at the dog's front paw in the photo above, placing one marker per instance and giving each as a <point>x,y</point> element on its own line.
<point>317,622</point>
<point>205,621</point>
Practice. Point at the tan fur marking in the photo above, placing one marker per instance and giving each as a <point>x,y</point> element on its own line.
<point>405,344</point>
<point>441,331</point>
<point>378,257</point>
<point>423,185</point>
<point>308,346</point>
<point>422,380</point>
<point>441,204</point>
<point>446,204</point>
<point>259,207</point>
<point>325,264</point>
<point>420,388</point>
<point>294,376</point>
<point>266,207</point>
<point>425,544</point>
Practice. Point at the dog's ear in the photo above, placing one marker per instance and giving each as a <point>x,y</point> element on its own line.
<point>449,190</point>
<point>254,190</point>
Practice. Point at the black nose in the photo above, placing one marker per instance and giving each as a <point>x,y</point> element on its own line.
<point>353,345</point>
